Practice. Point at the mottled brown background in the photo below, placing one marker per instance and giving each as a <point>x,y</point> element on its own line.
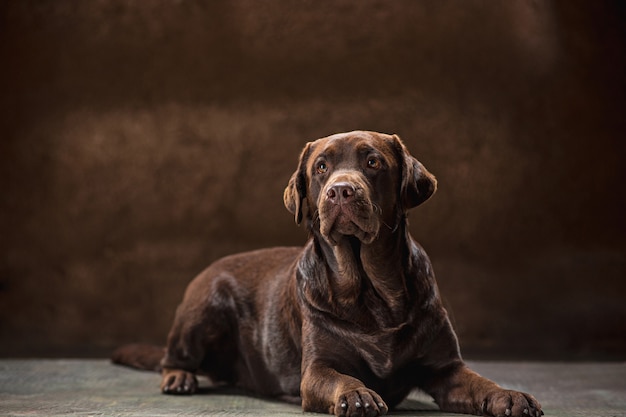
<point>141,140</point>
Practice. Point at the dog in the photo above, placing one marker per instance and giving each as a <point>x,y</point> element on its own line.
<point>347,325</point>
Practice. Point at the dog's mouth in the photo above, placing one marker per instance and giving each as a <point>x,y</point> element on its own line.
<point>356,218</point>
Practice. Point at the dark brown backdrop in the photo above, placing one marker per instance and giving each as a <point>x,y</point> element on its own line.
<point>142,140</point>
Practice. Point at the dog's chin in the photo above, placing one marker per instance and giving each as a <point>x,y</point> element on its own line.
<point>343,226</point>
<point>335,237</point>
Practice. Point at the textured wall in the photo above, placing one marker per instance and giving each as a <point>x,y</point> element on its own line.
<point>142,140</point>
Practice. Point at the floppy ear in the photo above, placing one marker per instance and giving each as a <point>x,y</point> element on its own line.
<point>416,183</point>
<point>295,192</point>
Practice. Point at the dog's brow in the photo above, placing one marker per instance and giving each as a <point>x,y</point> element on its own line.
<point>328,153</point>
<point>363,148</point>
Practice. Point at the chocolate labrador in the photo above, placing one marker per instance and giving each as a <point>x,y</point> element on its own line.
<point>349,324</point>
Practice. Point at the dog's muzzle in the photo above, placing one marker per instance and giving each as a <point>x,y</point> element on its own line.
<point>346,209</point>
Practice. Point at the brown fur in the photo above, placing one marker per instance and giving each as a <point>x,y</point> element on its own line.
<point>352,322</point>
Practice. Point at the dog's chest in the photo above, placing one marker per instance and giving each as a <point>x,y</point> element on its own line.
<point>378,340</point>
<point>380,350</point>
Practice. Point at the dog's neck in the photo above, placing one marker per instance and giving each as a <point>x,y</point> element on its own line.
<point>358,269</point>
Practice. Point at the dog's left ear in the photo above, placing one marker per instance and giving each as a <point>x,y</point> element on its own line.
<point>295,192</point>
<point>416,184</point>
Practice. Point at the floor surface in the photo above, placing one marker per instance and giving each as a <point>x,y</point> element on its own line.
<point>97,388</point>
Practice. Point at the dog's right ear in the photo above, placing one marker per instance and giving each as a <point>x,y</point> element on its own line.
<point>295,192</point>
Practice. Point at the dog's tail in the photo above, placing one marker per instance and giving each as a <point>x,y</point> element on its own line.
<point>139,356</point>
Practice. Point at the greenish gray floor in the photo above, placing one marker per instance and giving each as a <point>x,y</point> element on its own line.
<point>97,388</point>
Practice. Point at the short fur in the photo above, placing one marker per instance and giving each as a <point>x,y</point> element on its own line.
<point>352,322</point>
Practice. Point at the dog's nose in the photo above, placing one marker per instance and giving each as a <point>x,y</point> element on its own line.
<point>341,192</point>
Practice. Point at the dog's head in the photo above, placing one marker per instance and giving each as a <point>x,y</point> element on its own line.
<point>355,182</point>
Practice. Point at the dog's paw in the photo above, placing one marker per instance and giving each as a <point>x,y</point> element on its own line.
<point>178,382</point>
<point>506,403</point>
<point>360,403</point>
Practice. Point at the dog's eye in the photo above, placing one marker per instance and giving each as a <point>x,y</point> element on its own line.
<point>373,163</point>
<point>322,167</point>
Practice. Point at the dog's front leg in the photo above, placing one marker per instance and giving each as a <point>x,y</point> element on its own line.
<point>461,390</point>
<point>324,390</point>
